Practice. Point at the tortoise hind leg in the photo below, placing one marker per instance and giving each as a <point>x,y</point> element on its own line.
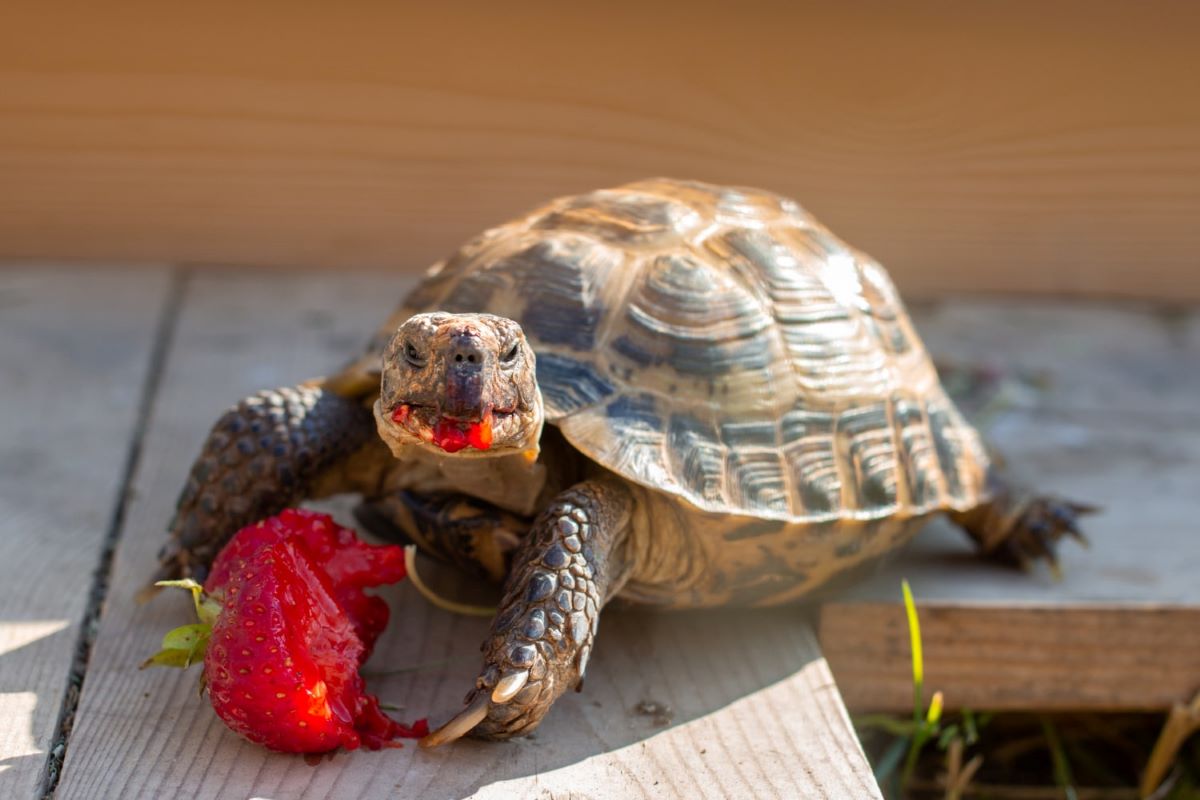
<point>268,452</point>
<point>1017,527</point>
<point>471,534</point>
<point>573,560</point>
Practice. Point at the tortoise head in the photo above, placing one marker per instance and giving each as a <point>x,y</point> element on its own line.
<point>460,383</point>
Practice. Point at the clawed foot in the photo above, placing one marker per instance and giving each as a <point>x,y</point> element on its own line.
<point>503,704</point>
<point>1019,529</point>
<point>539,645</point>
<point>1036,529</point>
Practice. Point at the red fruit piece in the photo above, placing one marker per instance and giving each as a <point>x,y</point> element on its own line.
<point>449,436</point>
<point>282,662</point>
<point>351,564</point>
<point>294,627</point>
<point>453,435</point>
<point>479,434</point>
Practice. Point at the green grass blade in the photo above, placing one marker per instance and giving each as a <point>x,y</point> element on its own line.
<point>918,659</point>
<point>1062,767</point>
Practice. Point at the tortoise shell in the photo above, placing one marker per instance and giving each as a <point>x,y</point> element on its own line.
<point>721,346</point>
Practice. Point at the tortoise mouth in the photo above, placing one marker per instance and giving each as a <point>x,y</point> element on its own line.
<point>452,433</point>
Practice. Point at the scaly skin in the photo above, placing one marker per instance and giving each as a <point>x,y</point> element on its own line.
<point>1018,527</point>
<point>471,534</point>
<point>260,457</point>
<point>570,565</point>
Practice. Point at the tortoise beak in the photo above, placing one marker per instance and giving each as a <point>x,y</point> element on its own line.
<point>468,367</point>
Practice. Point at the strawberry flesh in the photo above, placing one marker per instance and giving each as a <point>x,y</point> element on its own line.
<point>282,662</point>
<point>479,434</point>
<point>350,563</point>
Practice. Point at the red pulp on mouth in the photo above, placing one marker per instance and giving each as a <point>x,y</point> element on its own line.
<point>479,434</point>
<point>400,415</point>
<point>453,435</point>
<point>449,436</point>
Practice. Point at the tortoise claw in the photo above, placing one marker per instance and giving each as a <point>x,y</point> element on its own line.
<point>1035,532</point>
<point>459,725</point>
<point>1021,529</point>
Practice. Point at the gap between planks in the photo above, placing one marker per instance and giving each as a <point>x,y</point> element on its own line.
<point>164,331</point>
<point>75,347</point>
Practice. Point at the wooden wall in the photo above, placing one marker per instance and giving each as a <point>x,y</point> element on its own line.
<point>1000,146</point>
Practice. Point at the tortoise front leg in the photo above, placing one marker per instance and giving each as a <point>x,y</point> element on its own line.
<point>264,454</point>
<point>571,563</point>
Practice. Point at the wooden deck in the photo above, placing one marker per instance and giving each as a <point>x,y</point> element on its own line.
<point>112,377</point>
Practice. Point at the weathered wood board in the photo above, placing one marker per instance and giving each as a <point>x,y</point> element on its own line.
<point>1096,403</point>
<point>74,352</point>
<point>1018,146</point>
<point>755,711</point>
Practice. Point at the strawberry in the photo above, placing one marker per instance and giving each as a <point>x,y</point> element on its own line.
<point>290,626</point>
<point>350,563</point>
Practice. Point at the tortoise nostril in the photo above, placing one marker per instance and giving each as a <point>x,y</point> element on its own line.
<point>466,349</point>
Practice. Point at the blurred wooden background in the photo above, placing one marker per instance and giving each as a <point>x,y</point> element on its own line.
<point>1017,146</point>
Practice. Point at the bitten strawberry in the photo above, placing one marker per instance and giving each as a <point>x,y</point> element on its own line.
<point>350,563</point>
<point>290,626</point>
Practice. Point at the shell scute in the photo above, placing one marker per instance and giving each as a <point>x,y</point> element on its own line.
<point>757,480</point>
<point>867,451</point>
<point>812,460</point>
<point>570,384</point>
<point>919,458</point>
<point>624,217</point>
<point>696,456</point>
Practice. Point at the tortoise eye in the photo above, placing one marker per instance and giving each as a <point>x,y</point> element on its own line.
<point>413,357</point>
<point>511,355</point>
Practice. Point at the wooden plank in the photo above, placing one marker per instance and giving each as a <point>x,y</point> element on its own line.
<point>1021,146</point>
<point>74,352</point>
<point>1109,415</point>
<point>755,712</point>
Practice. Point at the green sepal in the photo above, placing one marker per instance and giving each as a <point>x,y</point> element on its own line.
<point>207,609</point>
<point>181,647</point>
<point>192,638</point>
<point>186,644</point>
<point>167,658</point>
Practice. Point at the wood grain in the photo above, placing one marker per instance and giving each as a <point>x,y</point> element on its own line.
<point>74,351</point>
<point>1095,403</point>
<point>1021,146</point>
<point>755,712</point>
<point>1005,657</point>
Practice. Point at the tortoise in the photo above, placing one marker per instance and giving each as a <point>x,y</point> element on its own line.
<point>683,394</point>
